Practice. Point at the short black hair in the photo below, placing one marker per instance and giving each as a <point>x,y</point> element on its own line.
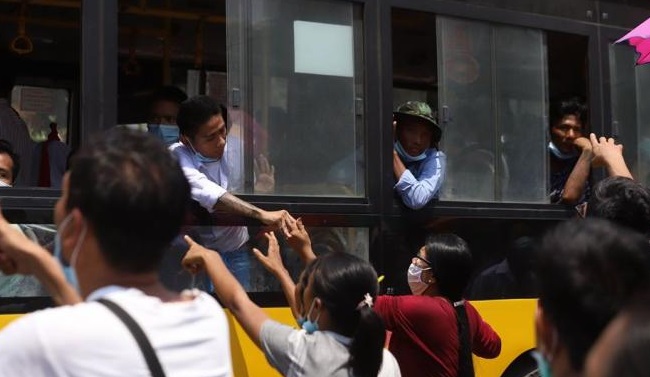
<point>569,106</point>
<point>623,201</point>
<point>133,194</point>
<point>168,93</point>
<point>8,149</point>
<point>587,270</point>
<point>196,111</point>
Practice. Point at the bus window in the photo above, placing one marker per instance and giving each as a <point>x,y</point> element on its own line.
<point>297,71</point>
<point>160,46</point>
<point>630,114</point>
<point>324,240</point>
<point>40,56</point>
<point>41,107</point>
<point>490,83</point>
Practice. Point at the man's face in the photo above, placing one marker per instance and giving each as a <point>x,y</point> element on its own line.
<point>565,132</point>
<point>414,135</point>
<point>163,112</point>
<point>210,139</point>
<point>6,169</point>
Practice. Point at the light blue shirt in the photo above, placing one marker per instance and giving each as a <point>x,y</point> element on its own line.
<point>421,181</point>
<point>209,182</point>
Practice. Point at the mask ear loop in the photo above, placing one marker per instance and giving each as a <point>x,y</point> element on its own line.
<point>548,353</point>
<point>77,247</point>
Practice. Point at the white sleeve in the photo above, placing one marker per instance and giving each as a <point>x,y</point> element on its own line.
<point>22,352</point>
<point>204,190</point>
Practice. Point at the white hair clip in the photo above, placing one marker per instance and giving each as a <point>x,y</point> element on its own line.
<point>367,301</point>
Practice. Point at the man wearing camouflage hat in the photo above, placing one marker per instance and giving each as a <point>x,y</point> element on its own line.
<point>418,165</point>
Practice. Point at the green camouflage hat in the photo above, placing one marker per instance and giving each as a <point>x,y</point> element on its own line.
<point>420,110</point>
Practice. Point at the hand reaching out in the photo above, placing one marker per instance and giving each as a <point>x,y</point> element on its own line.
<point>279,220</point>
<point>195,258</point>
<point>298,237</point>
<point>272,261</point>
<point>605,150</point>
<point>18,254</point>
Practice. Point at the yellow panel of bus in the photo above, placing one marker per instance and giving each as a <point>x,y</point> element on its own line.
<point>511,319</point>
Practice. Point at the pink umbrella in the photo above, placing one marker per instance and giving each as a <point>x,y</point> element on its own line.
<point>639,37</point>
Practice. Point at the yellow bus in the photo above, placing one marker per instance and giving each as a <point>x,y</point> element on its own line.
<point>311,85</point>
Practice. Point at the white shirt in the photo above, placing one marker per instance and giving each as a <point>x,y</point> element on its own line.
<point>209,182</point>
<point>191,338</point>
<point>294,353</point>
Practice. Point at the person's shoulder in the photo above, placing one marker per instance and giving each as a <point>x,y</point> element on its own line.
<point>179,148</point>
<point>414,304</point>
<point>60,320</point>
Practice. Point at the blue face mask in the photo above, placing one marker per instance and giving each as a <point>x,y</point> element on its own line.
<point>201,158</point>
<point>168,133</point>
<point>407,157</point>
<point>307,324</point>
<point>542,364</point>
<point>68,268</point>
<point>559,154</point>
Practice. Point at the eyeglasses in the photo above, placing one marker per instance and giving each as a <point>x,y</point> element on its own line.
<point>417,258</point>
<point>581,209</point>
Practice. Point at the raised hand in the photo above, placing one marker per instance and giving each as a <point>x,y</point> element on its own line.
<point>195,258</point>
<point>264,175</point>
<point>604,150</point>
<point>272,261</point>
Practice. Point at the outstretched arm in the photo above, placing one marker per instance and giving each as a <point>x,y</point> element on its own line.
<point>232,204</point>
<point>230,292</point>
<point>18,254</point>
<point>273,263</point>
<point>609,155</point>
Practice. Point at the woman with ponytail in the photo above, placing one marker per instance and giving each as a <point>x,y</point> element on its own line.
<point>435,331</point>
<point>340,335</point>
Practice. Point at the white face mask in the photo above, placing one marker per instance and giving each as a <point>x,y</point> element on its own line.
<point>4,184</point>
<point>414,278</point>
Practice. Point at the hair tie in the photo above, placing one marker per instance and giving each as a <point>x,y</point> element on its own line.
<point>459,303</point>
<point>367,301</point>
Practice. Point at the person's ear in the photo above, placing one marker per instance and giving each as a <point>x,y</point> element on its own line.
<point>547,335</point>
<point>318,305</point>
<point>428,277</point>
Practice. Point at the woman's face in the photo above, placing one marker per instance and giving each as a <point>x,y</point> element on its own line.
<point>423,262</point>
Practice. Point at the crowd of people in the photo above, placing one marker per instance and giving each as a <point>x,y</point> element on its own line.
<point>125,198</point>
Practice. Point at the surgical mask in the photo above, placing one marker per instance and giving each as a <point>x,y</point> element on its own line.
<point>559,154</point>
<point>414,278</point>
<point>543,364</point>
<point>306,323</point>
<point>168,133</point>
<point>201,158</point>
<point>407,157</point>
<point>4,184</point>
<point>68,269</point>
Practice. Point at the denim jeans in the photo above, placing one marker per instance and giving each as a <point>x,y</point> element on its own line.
<point>239,264</point>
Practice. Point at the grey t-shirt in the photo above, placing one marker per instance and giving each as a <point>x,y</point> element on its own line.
<point>294,353</point>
